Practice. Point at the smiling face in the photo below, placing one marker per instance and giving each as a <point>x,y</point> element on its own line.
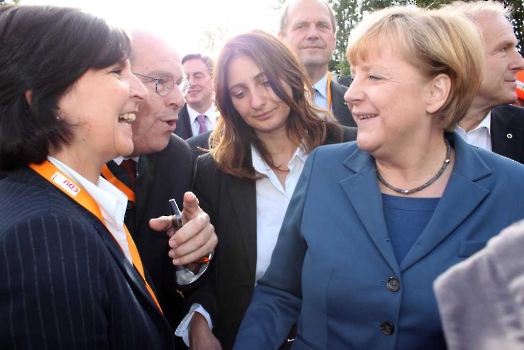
<point>100,105</point>
<point>310,33</point>
<point>158,114</point>
<point>389,102</point>
<point>200,93</point>
<point>502,60</point>
<point>254,99</point>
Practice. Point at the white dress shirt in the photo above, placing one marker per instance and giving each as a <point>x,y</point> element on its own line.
<point>211,118</point>
<point>111,201</point>
<point>480,136</point>
<point>272,200</point>
<point>321,92</point>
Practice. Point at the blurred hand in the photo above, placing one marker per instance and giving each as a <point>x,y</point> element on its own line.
<point>195,239</point>
<point>200,336</point>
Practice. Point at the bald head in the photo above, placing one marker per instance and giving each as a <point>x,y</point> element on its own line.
<point>291,4</point>
<point>158,66</point>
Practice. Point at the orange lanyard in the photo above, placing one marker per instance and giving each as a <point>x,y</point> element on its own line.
<point>329,79</point>
<point>52,174</point>
<point>109,176</point>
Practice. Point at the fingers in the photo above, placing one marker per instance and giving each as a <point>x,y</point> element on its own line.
<point>162,223</point>
<point>191,208</point>
<point>193,241</point>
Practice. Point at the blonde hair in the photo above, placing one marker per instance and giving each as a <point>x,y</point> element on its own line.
<point>434,42</point>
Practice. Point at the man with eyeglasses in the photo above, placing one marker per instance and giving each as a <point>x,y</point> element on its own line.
<point>163,166</point>
<point>199,114</point>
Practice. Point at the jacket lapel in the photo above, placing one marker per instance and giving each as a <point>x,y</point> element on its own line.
<point>337,101</point>
<point>243,198</point>
<point>506,138</point>
<point>462,188</point>
<point>130,273</point>
<point>363,192</point>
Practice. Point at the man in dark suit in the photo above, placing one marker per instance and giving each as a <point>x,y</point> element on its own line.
<point>164,167</point>
<point>199,114</point>
<point>491,123</point>
<point>309,27</point>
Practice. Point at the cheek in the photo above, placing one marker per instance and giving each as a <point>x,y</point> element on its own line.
<point>242,107</point>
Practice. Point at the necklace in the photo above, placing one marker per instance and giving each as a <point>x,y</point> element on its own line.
<point>428,183</point>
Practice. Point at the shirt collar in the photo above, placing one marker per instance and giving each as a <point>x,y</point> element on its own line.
<point>109,198</point>
<point>485,123</point>
<point>321,86</point>
<point>211,113</point>
<point>263,168</point>
<point>118,160</point>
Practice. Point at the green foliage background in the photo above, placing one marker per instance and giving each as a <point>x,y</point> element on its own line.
<point>6,2</point>
<point>349,13</point>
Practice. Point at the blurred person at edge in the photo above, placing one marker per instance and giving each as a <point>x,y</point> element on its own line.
<point>492,122</point>
<point>267,128</point>
<point>72,276</point>
<point>371,224</point>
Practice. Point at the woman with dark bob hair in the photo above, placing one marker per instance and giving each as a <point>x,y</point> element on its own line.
<point>67,98</point>
<point>267,128</point>
<point>372,224</point>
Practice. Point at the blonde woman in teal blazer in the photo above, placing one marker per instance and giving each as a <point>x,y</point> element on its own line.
<point>347,271</point>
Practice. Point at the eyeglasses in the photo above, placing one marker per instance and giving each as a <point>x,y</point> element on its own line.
<point>164,84</point>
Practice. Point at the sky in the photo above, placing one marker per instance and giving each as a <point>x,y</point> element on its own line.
<point>183,23</point>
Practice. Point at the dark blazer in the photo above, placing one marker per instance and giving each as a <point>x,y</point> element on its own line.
<point>199,144</point>
<point>332,262</point>
<point>66,283</point>
<point>339,106</point>
<point>161,176</point>
<point>507,132</point>
<point>183,125</point>
<point>226,290</point>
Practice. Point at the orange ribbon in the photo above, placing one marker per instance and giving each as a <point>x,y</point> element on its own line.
<point>109,176</point>
<point>52,174</point>
<point>329,79</point>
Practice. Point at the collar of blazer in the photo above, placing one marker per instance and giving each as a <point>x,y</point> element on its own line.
<point>464,186</point>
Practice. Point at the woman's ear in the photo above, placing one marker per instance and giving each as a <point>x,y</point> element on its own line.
<point>440,87</point>
<point>28,94</point>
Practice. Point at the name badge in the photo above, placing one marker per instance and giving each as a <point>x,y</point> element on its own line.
<point>65,184</point>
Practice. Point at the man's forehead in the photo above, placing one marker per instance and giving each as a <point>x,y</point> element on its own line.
<point>494,28</point>
<point>302,11</point>
<point>154,55</point>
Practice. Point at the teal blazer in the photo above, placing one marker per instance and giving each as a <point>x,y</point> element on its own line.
<point>334,269</point>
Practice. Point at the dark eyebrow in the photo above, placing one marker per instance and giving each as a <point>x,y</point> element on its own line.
<point>259,76</point>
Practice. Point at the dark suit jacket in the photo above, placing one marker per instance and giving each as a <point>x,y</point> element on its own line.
<point>199,144</point>
<point>183,125</point>
<point>507,132</point>
<point>331,274</point>
<point>161,176</point>
<point>66,283</point>
<point>339,106</point>
<point>226,290</point>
